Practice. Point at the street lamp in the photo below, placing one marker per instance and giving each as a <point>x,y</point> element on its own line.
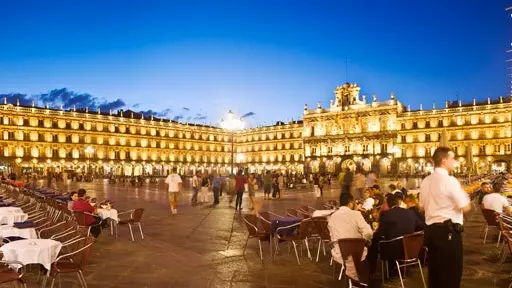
<point>88,151</point>
<point>232,124</point>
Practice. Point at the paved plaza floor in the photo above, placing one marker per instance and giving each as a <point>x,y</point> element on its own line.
<point>203,247</point>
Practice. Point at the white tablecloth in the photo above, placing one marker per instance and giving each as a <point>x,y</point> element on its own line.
<point>105,213</point>
<point>27,233</point>
<point>322,213</point>
<point>32,251</point>
<point>8,210</point>
<point>10,216</point>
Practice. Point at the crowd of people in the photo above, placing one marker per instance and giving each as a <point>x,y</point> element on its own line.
<point>366,213</point>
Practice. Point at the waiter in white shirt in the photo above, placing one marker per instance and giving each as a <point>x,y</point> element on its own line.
<point>444,201</point>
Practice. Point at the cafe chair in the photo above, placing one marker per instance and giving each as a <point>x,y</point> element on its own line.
<point>324,236</point>
<point>81,219</point>
<point>73,262</point>
<point>134,219</point>
<point>358,274</point>
<point>8,275</point>
<point>491,221</point>
<point>294,233</point>
<point>256,231</point>
<point>267,215</point>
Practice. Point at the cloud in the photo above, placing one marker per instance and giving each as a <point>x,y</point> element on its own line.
<point>69,99</point>
<point>248,114</point>
<point>161,114</point>
<point>106,106</point>
<point>14,97</point>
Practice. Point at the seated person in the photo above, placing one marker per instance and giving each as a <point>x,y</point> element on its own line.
<point>401,188</point>
<point>84,206</point>
<point>347,223</point>
<point>395,222</point>
<point>497,202</point>
<point>73,196</point>
<point>368,200</point>
<point>485,188</point>
<point>412,205</point>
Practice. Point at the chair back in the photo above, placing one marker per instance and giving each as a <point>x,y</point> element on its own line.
<point>304,214</point>
<point>80,218</point>
<point>137,215</point>
<point>265,215</point>
<point>251,222</point>
<point>354,247</point>
<point>307,228</point>
<point>86,252</point>
<point>322,228</point>
<point>391,250</point>
<point>413,244</point>
<point>293,213</point>
<point>490,217</point>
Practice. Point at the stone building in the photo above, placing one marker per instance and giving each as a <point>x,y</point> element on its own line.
<point>384,136</point>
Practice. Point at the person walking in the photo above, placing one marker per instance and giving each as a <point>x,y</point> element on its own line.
<point>275,187</point>
<point>174,186</point>
<point>251,187</point>
<point>240,182</point>
<point>316,185</point>
<point>205,183</point>
<point>280,181</point>
<point>444,202</point>
<point>216,185</point>
<point>358,184</point>
<point>267,185</point>
<point>195,187</point>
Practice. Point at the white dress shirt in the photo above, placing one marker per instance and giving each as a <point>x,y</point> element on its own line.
<point>495,201</point>
<point>442,197</point>
<point>368,203</point>
<point>347,223</point>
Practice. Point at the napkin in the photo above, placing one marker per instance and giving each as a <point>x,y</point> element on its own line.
<point>26,224</point>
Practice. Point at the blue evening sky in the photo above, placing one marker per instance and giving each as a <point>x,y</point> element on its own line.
<point>265,57</point>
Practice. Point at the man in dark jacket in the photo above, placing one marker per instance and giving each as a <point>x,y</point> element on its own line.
<point>393,223</point>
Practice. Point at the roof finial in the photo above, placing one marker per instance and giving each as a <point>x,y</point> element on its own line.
<point>61,107</point>
<point>74,108</point>
<point>33,103</point>
<point>392,95</point>
<point>434,106</point>
<point>474,101</point>
<point>18,102</point>
<point>5,100</point>
<point>488,100</point>
<point>408,108</point>
<point>421,107</point>
<point>99,110</point>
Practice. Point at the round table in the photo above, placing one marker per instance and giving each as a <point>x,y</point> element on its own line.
<point>108,213</point>
<point>9,215</point>
<point>111,214</point>
<point>32,251</point>
<point>9,231</point>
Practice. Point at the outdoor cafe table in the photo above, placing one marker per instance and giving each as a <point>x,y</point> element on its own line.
<point>9,215</point>
<point>284,222</point>
<point>9,231</point>
<point>322,213</point>
<point>111,214</point>
<point>32,251</point>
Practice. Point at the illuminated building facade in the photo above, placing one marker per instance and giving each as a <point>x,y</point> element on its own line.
<point>353,131</point>
<point>387,137</point>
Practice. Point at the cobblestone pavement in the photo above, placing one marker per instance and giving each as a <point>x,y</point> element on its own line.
<point>203,247</point>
